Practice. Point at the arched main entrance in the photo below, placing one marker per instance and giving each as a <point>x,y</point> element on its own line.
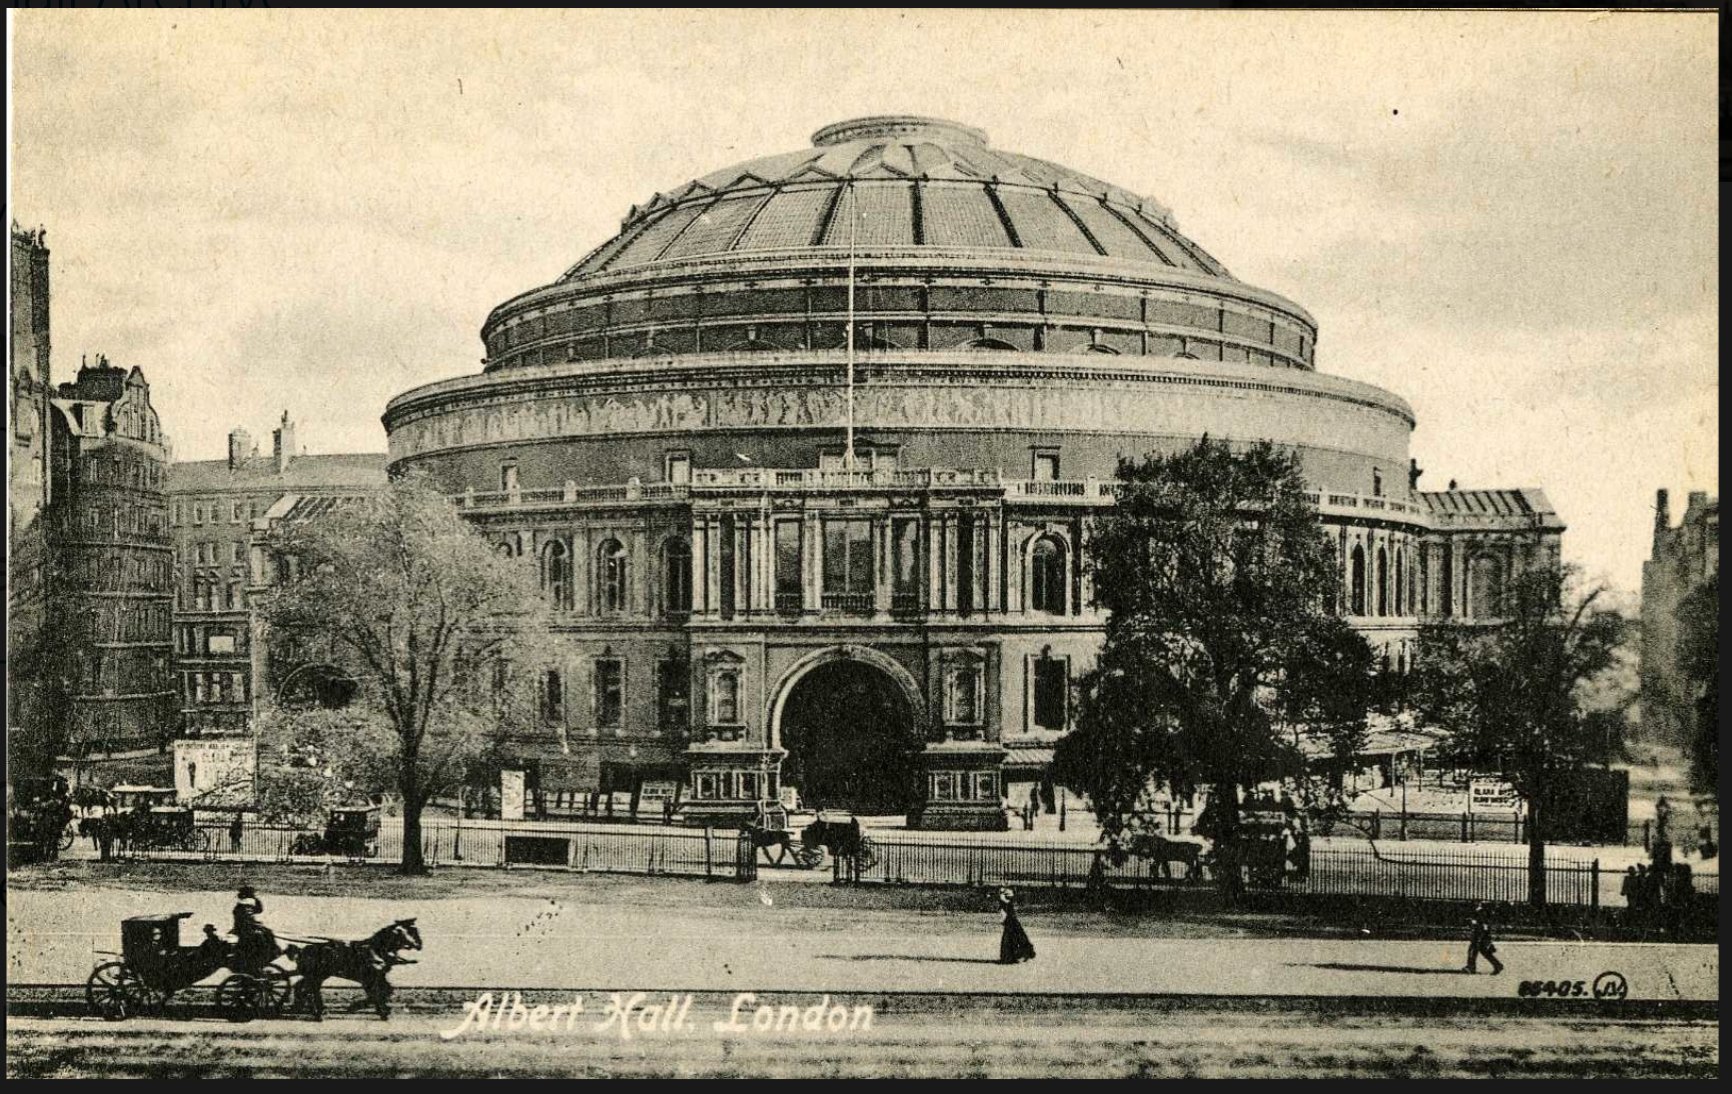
<point>850,740</point>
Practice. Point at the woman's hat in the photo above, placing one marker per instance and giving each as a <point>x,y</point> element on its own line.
<point>1005,894</point>
<point>246,890</point>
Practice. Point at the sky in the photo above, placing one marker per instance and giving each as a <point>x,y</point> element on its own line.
<point>1507,218</point>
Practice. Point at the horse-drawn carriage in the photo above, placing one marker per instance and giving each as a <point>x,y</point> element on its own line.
<point>153,966</point>
<point>152,828</point>
<point>773,830</point>
<point>39,820</point>
<point>352,831</point>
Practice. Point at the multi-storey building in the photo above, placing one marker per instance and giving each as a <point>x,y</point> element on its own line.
<point>213,505</point>
<point>109,572</point>
<point>1681,559</point>
<point>808,455</point>
<point>27,484</point>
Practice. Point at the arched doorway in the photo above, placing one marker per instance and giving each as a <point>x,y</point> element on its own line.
<point>850,740</point>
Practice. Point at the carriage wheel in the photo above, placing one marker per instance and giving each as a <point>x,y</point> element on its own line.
<point>239,997</point>
<point>274,991</point>
<point>68,836</point>
<point>809,857</point>
<point>196,839</point>
<point>115,991</point>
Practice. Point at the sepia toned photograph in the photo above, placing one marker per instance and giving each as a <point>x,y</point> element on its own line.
<point>791,543</point>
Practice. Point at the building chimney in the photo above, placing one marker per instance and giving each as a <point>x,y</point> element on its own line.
<point>283,444</point>
<point>241,448</point>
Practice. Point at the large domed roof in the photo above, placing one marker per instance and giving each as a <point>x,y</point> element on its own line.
<point>892,182</point>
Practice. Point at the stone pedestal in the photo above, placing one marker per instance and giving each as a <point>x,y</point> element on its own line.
<point>964,785</point>
<point>727,783</point>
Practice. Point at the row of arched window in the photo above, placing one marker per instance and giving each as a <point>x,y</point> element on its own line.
<point>1373,592</point>
<point>609,569</point>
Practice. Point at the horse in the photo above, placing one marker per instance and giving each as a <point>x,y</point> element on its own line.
<point>1164,852</point>
<point>366,962</point>
<point>763,839</point>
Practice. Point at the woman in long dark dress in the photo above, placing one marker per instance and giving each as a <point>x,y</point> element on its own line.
<point>1013,945</point>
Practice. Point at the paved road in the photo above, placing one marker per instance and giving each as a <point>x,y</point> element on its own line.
<point>722,939</point>
<point>954,1037</point>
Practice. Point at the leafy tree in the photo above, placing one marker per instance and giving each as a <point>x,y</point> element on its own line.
<point>1510,692</point>
<point>440,631</point>
<point>1699,665</point>
<point>1215,574</point>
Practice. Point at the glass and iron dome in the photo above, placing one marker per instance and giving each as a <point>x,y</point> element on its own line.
<point>892,183</point>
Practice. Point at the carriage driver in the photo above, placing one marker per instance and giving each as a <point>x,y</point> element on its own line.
<point>252,936</point>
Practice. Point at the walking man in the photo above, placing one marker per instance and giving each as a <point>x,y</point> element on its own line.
<point>1480,943</point>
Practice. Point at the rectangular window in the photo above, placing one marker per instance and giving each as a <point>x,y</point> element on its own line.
<point>552,698</point>
<point>848,563</point>
<point>237,552</point>
<point>508,478</point>
<point>964,694</point>
<point>749,785</point>
<point>672,686</point>
<point>198,514</point>
<point>965,549</point>
<point>726,570</point>
<point>237,687</point>
<point>704,786</point>
<point>789,583</point>
<point>235,513</point>
<point>1045,466</point>
<point>220,643</point>
<point>1051,693</point>
<point>679,468</point>
<point>905,563</point>
<point>725,702</point>
<point>609,678</point>
<point>177,513</point>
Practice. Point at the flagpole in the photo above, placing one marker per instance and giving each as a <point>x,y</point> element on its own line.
<point>853,221</point>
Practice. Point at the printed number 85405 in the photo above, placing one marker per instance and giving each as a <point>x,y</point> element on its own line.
<point>1554,988</point>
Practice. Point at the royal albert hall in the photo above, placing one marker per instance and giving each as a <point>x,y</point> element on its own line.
<point>744,609</point>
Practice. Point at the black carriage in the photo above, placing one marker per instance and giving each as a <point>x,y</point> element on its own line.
<point>352,831</point>
<point>167,828</point>
<point>153,966</point>
<point>843,838</point>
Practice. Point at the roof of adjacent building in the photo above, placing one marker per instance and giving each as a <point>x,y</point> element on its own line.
<point>1519,507</point>
<point>346,471</point>
<point>898,181</point>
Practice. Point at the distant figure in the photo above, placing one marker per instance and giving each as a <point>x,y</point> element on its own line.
<point>237,828</point>
<point>1705,842</point>
<point>1480,942</point>
<point>1662,819</point>
<point>1013,944</point>
<point>1631,890</point>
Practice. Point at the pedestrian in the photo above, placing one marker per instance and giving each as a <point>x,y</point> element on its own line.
<point>1631,889</point>
<point>1662,817</point>
<point>1480,942</point>
<point>236,830</point>
<point>1013,944</point>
